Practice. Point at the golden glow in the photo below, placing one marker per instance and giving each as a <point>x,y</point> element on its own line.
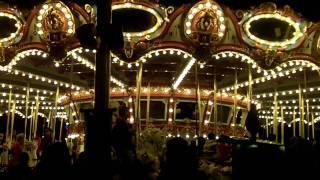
<point>15,36</point>
<point>63,8</point>
<point>205,5</point>
<point>299,30</point>
<point>148,32</point>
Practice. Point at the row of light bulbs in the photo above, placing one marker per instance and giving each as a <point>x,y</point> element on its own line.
<point>209,5</point>
<point>294,101</point>
<point>26,53</point>
<point>131,113</point>
<point>23,96</point>
<point>288,92</point>
<point>150,54</point>
<point>299,30</point>
<point>90,65</point>
<point>285,112</point>
<point>41,107</point>
<point>42,78</point>
<point>10,86</point>
<point>267,74</point>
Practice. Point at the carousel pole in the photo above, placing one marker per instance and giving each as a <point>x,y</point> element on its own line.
<point>312,125</point>
<point>275,116</point>
<point>49,118</point>
<point>308,120</point>
<point>199,106</point>
<point>235,102</point>
<point>60,131</point>
<point>294,122</point>
<point>300,112</point>
<point>249,89</point>
<point>36,116</point>
<point>267,127</point>
<point>197,115</point>
<point>31,123</point>
<point>215,107</point>
<point>26,112</point>
<point>282,125</point>
<point>54,114</point>
<point>13,111</point>
<point>148,105</point>
<point>138,100</point>
<point>8,115</point>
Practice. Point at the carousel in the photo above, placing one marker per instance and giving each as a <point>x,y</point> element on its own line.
<point>187,70</point>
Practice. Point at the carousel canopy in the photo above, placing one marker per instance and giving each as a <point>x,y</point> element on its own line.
<point>251,51</point>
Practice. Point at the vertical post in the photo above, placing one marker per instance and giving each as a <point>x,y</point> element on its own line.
<point>36,116</point>
<point>235,102</point>
<point>138,99</point>
<point>98,142</point>
<point>8,115</point>
<point>54,114</point>
<point>282,126</point>
<point>267,127</point>
<point>312,125</point>
<point>300,112</point>
<point>294,122</point>
<point>26,112</point>
<point>215,107</point>
<point>31,123</point>
<point>249,89</point>
<point>13,111</point>
<point>148,105</point>
<point>199,106</point>
<point>275,116</point>
<point>308,120</point>
<point>197,97</point>
<point>60,131</point>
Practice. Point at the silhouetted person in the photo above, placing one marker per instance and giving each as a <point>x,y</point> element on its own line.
<point>180,163</point>
<point>124,165</point>
<point>200,146</point>
<point>17,149</point>
<point>46,141</point>
<point>55,163</point>
<point>81,166</point>
<point>252,123</point>
<point>21,170</point>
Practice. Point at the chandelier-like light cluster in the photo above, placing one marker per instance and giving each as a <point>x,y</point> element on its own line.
<point>55,5</point>
<point>15,36</point>
<point>203,5</point>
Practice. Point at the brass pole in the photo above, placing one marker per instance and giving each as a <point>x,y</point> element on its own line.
<point>275,116</point>
<point>294,122</point>
<point>215,107</point>
<point>8,115</point>
<point>282,126</point>
<point>13,111</point>
<point>235,102</point>
<point>26,111</point>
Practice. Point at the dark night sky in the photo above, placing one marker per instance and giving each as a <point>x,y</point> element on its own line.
<point>309,8</point>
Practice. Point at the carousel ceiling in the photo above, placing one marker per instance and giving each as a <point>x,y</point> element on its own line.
<point>273,47</point>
